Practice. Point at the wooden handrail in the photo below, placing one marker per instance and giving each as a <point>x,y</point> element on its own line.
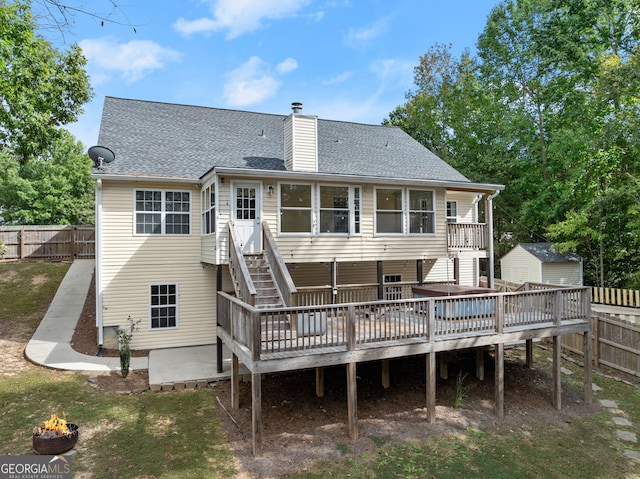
<point>279,270</point>
<point>242,282</point>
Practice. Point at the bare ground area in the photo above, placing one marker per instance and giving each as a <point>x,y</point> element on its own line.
<point>300,428</point>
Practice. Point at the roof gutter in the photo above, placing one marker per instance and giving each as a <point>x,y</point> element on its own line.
<point>309,176</point>
<point>149,179</point>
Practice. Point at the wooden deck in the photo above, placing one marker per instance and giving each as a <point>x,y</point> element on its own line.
<point>284,339</point>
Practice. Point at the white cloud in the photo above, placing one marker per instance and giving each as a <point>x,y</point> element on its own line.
<point>341,78</point>
<point>287,66</point>
<point>394,71</point>
<point>368,33</point>
<point>240,16</point>
<point>253,82</point>
<point>133,60</point>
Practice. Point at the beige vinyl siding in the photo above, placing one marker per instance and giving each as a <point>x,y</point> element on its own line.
<point>467,211</point>
<point>367,246</point>
<point>520,266</point>
<point>301,143</point>
<point>567,273</point>
<point>131,263</point>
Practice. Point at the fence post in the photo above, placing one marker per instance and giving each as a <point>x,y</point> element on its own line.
<point>22,248</point>
<point>72,246</point>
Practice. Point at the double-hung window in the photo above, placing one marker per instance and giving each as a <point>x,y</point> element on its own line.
<point>389,211</point>
<point>296,213</point>
<point>334,209</point>
<point>404,211</point>
<point>159,212</point>
<point>452,211</point>
<point>164,306</point>
<point>421,212</point>
<point>209,210</point>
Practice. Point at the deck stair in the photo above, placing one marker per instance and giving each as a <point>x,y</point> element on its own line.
<point>267,296</point>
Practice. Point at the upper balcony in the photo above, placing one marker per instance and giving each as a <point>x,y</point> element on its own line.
<point>467,236</point>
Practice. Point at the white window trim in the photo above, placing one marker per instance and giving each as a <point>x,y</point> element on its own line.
<point>454,218</point>
<point>176,305</point>
<point>406,212</point>
<point>162,212</point>
<point>403,194</point>
<point>314,219</point>
<point>214,219</point>
<point>351,206</point>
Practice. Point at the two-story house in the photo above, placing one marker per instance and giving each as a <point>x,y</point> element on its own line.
<point>301,243</point>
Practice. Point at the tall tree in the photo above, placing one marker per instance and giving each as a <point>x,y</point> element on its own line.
<point>41,88</point>
<point>55,190</point>
<point>44,175</point>
<point>550,108</point>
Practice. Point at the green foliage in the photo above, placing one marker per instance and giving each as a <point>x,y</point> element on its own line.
<point>56,190</point>
<point>41,88</point>
<point>550,108</point>
<point>462,389</point>
<point>3,249</point>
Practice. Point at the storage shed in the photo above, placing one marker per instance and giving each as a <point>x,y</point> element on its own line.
<point>541,263</point>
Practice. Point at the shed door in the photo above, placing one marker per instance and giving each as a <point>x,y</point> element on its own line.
<point>246,201</point>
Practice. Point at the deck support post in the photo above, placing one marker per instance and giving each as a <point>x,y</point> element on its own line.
<point>319,382</point>
<point>380,275</point>
<point>235,382</point>
<point>352,400</point>
<point>419,274</point>
<point>529,352</point>
<point>219,359</point>
<point>386,383</point>
<point>430,363</point>
<point>588,368</point>
<point>256,412</point>
<point>557,373</point>
<point>499,380</point>
<point>444,365</point>
<point>480,364</point>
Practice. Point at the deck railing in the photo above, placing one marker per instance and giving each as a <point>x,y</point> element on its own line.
<point>238,268</point>
<point>278,268</point>
<point>462,236</point>
<point>348,326</point>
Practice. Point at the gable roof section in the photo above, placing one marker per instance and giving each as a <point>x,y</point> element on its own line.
<point>547,254</point>
<point>152,139</point>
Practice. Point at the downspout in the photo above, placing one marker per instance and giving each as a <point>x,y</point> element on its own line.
<point>489,218</point>
<point>98,273</point>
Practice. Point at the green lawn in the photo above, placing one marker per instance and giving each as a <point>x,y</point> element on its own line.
<point>178,434</point>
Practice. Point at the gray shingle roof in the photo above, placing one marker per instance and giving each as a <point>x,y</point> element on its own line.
<point>547,254</point>
<point>181,141</point>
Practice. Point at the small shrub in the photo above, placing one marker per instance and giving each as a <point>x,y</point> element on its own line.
<point>462,390</point>
<point>125,336</point>
<point>3,249</point>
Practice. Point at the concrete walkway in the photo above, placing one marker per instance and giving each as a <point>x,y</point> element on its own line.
<point>50,345</point>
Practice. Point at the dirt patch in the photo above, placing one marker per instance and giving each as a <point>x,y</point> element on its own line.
<point>85,336</point>
<point>300,429</point>
<point>135,382</point>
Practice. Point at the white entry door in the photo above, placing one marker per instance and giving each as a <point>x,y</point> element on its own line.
<point>246,214</point>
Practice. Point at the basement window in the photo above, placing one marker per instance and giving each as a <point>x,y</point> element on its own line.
<point>164,306</point>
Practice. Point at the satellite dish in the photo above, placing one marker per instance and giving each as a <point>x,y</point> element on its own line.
<point>101,155</point>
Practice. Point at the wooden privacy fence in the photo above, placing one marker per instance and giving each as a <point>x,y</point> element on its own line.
<point>616,297</point>
<point>616,343</point>
<point>48,242</point>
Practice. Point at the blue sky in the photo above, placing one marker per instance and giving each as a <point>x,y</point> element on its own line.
<point>348,60</point>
